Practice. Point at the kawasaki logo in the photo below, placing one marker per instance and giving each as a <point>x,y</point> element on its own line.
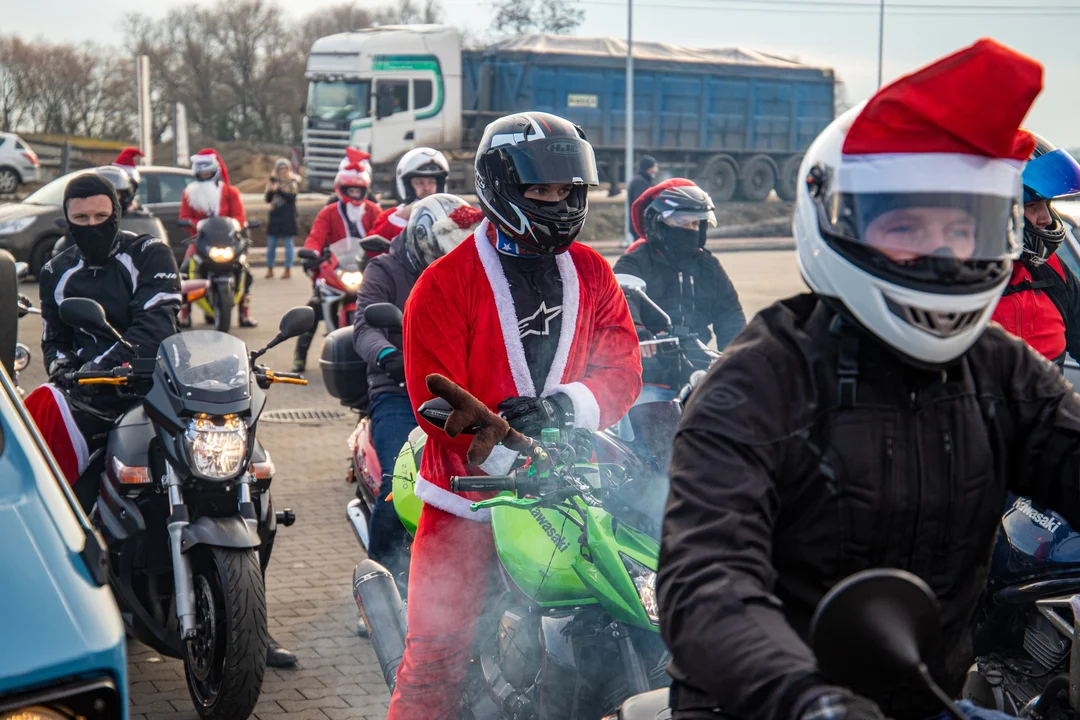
<point>560,543</point>
<point>562,147</point>
<point>1044,521</point>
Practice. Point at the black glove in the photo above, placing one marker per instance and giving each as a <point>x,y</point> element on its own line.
<point>58,368</point>
<point>842,706</point>
<point>644,334</point>
<point>393,364</point>
<point>529,415</point>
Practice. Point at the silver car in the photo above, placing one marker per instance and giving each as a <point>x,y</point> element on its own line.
<point>18,163</point>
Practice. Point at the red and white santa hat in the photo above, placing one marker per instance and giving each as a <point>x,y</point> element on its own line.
<point>210,155</point>
<point>458,225</point>
<point>127,156</point>
<point>355,169</point>
<point>949,127</point>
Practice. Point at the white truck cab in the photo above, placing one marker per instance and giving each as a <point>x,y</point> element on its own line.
<point>385,90</point>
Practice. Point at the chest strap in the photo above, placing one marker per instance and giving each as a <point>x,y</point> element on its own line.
<point>847,370</point>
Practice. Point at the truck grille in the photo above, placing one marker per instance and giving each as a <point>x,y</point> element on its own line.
<point>323,151</point>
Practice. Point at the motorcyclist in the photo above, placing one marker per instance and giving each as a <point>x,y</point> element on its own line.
<point>212,195</point>
<point>535,326</point>
<point>876,422</point>
<point>133,217</point>
<point>437,224</point>
<point>1041,303</point>
<point>125,160</point>
<point>420,172</point>
<point>681,276</point>
<point>135,279</point>
<point>339,227</point>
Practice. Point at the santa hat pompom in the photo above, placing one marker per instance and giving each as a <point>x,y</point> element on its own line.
<point>953,126</point>
<point>127,156</point>
<point>354,169</point>
<point>466,216</point>
<point>211,155</point>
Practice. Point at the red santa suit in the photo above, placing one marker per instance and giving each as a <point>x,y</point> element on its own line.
<point>461,322</point>
<point>228,202</point>
<point>389,224</point>
<point>333,230</point>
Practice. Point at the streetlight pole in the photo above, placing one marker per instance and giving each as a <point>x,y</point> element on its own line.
<point>880,41</point>
<point>629,160</point>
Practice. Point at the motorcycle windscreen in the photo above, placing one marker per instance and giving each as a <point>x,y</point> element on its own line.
<point>207,366</point>
<point>347,251</point>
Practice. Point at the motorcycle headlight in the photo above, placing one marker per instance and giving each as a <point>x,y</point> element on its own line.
<point>645,582</point>
<point>10,227</point>
<point>352,280</point>
<point>222,254</point>
<point>218,448</point>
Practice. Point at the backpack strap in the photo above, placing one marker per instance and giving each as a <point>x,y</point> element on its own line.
<point>847,370</point>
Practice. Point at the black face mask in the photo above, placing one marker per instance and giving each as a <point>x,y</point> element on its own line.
<point>679,245</point>
<point>96,243</point>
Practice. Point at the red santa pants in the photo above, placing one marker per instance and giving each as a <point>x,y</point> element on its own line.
<point>448,582</point>
<point>56,422</point>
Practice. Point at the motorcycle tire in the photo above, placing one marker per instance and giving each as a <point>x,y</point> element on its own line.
<point>223,307</point>
<point>225,662</point>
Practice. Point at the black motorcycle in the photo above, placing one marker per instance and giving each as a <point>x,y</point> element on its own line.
<point>183,502</point>
<point>221,246</point>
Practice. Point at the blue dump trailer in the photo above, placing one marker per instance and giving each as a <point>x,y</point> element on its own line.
<point>735,120</point>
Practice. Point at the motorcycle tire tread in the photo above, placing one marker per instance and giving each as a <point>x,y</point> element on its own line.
<point>247,635</point>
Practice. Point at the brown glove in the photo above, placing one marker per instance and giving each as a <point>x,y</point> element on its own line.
<point>469,412</point>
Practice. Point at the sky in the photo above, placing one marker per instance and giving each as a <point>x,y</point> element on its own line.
<point>841,34</point>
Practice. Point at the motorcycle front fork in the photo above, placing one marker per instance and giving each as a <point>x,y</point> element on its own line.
<point>180,518</point>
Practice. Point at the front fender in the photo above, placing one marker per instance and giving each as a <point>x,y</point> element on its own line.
<point>230,532</point>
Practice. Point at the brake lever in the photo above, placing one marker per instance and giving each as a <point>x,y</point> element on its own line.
<point>506,501</point>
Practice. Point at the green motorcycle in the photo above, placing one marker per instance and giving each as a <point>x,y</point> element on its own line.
<point>571,627</point>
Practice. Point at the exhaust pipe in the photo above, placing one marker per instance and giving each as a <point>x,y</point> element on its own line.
<point>355,512</point>
<point>379,601</point>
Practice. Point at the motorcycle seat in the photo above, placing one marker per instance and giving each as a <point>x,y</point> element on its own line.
<point>647,706</point>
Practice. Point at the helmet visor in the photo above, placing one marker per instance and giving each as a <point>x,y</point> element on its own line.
<point>556,160</point>
<point>1053,175</point>
<point>935,239</point>
<point>684,217</point>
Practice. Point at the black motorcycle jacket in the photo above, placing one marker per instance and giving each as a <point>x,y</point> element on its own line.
<point>696,297</point>
<point>811,452</point>
<point>139,288</point>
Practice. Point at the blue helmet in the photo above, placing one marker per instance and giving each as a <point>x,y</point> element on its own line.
<point>1051,173</point>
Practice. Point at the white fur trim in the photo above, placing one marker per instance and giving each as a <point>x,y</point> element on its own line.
<point>78,442</point>
<point>500,461</point>
<point>929,172</point>
<point>129,264</point>
<point>504,303</point>
<point>432,494</point>
<point>398,221</point>
<point>586,408</point>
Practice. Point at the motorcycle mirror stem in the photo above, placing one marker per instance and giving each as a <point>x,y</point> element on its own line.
<point>297,321</point>
<point>88,314</point>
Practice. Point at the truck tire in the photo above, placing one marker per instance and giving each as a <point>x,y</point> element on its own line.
<point>757,176</point>
<point>720,177</point>
<point>787,182</point>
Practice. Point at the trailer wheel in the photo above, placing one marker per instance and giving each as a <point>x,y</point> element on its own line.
<point>720,177</point>
<point>757,177</point>
<point>787,182</point>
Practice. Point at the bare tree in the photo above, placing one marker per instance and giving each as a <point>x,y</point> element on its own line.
<point>521,17</point>
<point>409,12</point>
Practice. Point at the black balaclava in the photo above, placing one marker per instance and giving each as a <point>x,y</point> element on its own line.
<point>96,243</point>
<point>680,246</point>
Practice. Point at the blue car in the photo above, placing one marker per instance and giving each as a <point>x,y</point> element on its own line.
<point>62,647</point>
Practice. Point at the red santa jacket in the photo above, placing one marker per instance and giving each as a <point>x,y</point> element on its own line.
<point>331,231</point>
<point>388,224</point>
<point>460,322</point>
<point>230,205</point>
<point>1030,314</point>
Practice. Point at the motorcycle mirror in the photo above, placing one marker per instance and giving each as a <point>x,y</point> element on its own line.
<point>184,223</point>
<point>297,321</point>
<point>307,254</point>
<point>876,624</point>
<point>254,224</point>
<point>22,270</point>
<point>630,283</point>
<point>375,244</point>
<point>385,316</point>
<point>435,410</point>
<point>61,223</point>
<point>87,314</point>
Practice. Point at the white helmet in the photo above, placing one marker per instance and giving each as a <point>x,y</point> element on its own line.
<point>910,216</point>
<point>421,162</point>
<point>437,225</point>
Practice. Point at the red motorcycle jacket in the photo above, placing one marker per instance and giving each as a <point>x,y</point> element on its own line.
<point>1041,305</point>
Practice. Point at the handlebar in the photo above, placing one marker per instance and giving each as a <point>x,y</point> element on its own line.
<point>287,378</point>
<point>483,483</point>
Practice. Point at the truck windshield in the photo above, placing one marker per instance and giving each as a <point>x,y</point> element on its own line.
<point>339,100</point>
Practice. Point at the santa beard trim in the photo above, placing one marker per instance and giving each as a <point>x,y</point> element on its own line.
<point>204,196</point>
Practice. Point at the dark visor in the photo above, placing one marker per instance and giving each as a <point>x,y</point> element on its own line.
<point>555,160</point>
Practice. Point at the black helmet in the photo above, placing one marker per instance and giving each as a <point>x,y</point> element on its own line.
<point>123,182</point>
<point>535,148</point>
<point>678,203</point>
<point>1050,173</point>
